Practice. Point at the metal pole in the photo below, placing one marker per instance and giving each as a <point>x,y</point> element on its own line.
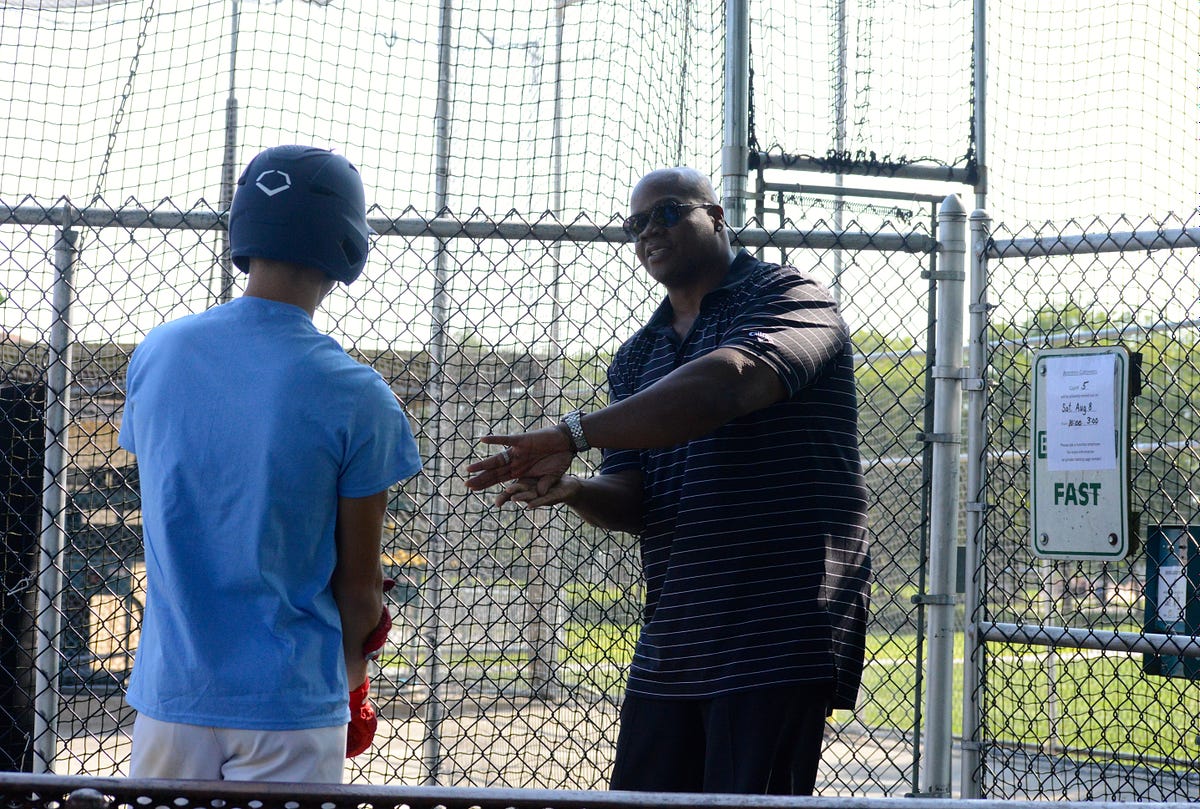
<point>926,492</point>
<point>976,506</point>
<point>734,155</point>
<point>438,478</point>
<point>556,193</point>
<point>686,49</point>
<point>543,584</point>
<point>228,162</point>
<point>839,138</point>
<point>1106,640</point>
<point>54,496</point>
<point>1050,596</point>
<point>980,50</point>
<point>944,499</point>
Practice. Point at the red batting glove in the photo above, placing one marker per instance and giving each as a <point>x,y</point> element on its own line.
<point>363,721</point>
<point>373,645</point>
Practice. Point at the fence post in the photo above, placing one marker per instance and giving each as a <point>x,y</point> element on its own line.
<point>975,517</point>
<point>433,485</point>
<point>737,105</point>
<point>54,490</point>
<point>541,620</point>
<point>229,158</point>
<point>545,567</point>
<point>439,509</point>
<point>943,525</point>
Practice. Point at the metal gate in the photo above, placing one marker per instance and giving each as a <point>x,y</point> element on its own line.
<point>1075,690</point>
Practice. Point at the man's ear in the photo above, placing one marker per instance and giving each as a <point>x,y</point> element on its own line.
<point>718,215</point>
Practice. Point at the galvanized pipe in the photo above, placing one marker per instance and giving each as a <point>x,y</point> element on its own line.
<point>839,134</point>
<point>975,516</point>
<point>944,499</point>
<point>52,537</point>
<point>543,585</point>
<point>735,153</point>
<point>42,792</point>
<point>448,228</point>
<point>437,477</point>
<point>1095,243</point>
<point>229,157</point>
<point>1100,639</point>
<point>979,30</point>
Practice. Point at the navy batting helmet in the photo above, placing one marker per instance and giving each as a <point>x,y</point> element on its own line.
<point>302,205</point>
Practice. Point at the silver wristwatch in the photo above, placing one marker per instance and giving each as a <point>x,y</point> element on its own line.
<point>574,427</point>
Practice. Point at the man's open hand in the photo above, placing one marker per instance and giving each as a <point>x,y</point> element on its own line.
<point>543,455</point>
<point>526,492</point>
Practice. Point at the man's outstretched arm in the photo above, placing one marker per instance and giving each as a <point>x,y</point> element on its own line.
<point>691,401</point>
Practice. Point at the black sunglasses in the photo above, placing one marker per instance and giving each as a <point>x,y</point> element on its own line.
<point>668,214</point>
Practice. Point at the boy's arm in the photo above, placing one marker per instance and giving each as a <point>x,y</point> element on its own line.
<point>358,576</point>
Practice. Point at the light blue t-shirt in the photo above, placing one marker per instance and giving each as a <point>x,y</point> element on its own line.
<point>248,424</point>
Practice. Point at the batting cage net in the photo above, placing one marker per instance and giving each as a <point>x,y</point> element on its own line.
<point>512,106</point>
<point>862,87</point>
<point>499,142</point>
<point>1088,107</point>
<point>1091,110</point>
<point>507,661</point>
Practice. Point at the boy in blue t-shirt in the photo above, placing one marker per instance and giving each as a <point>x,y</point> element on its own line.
<point>265,455</point>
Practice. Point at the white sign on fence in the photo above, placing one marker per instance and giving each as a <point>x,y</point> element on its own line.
<point>1079,466</point>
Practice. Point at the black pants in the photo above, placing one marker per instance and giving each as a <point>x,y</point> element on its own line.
<point>764,741</point>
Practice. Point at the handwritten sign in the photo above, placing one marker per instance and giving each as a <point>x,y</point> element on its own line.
<point>1079,415</point>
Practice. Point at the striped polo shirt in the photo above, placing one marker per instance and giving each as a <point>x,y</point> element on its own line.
<point>754,546</point>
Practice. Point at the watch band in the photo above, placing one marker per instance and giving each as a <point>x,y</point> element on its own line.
<point>574,425</point>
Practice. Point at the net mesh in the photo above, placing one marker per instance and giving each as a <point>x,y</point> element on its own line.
<point>508,664</point>
<point>123,100</point>
<point>864,86</point>
<point>1091,109</point>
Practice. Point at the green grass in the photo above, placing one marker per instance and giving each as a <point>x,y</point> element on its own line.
<point>1089,700</point>
<point>600,644</point>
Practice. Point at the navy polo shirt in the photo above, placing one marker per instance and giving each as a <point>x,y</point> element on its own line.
<point>754,547</point>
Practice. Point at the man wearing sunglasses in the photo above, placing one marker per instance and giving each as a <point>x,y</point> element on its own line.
<point>730,447</point>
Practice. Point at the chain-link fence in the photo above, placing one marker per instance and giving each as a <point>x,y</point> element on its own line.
<point>507,663</point>
<point>1088,668</point>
